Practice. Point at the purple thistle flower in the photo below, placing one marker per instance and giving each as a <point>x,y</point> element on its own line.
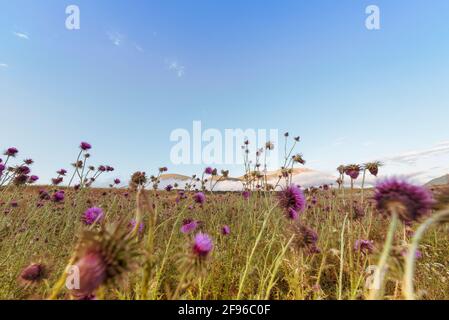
<point>2,168</point>
<point>169,188</point>
<point>85,146</point>
<point>102,168</point>
<point>56,181</point>
<point>132,225</point>
<point>292,214</point>
<point>292,198</point>
<point>32,273</point>
<point>364,246</point>
<point>43,195</point>
<point>11,152</point>
<point>33,179</point>
<point>58,196</point>
<point>203,245</point>
<point>92,271</point>
<point>93,215</point>
<point>61,172</point>
<point>28,162</point>
<point>226,230</point>
<point>199,198</point>
<point>246,194</point>
<point>189,226</point>
<point>418,254</point>
<point>23,170</point>
<point>208,170</point>
<point>353,171</point>
<point>409,201</point>
<point>353,174</point>
<point>117,181</point>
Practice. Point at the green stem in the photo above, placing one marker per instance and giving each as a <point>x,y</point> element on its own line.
<point>377,290</point>
<point>342,248</point>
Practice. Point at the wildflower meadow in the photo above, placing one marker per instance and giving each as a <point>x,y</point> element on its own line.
<point>72,240</point>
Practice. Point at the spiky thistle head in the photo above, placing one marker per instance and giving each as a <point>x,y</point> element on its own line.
<point>409,201</point>
<point>199,198</point>
<point>85,146</point>
<point>353,171</point>
<point>373,167</point>
<point>298,158</point>
<point>202,245</point>
<point>293,198</point>
<point>138,179</point>
<point>11,152</point>
<point>189,225</point>
<point>305,237</point>
<point>93,215</point>
<point>103,257</point>
<point>269,145</point>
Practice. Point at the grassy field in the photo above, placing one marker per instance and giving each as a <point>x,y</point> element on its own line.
<point>264,256</point>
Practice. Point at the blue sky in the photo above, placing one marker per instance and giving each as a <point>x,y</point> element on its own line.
<point>137,70</point>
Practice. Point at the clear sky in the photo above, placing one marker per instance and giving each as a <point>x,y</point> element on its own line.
<point>136,70</point>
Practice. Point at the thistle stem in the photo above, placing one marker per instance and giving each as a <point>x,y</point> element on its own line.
<point>363,185</point>
<point>377,290</point>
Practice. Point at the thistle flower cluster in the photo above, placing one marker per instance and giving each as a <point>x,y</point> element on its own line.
<point>85,174</point>
<point>138,180</point>
<point>19,174</point>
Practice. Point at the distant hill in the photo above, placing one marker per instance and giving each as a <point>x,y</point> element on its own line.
<point>439,181</point>
<point>302,176</point>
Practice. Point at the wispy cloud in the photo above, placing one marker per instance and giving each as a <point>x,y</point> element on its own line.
<point>138,48</point>
<point>412,156</point>
<point>116,38</point>
<point>178,69</point>
<point>21,35</point>
<point>3,65</point>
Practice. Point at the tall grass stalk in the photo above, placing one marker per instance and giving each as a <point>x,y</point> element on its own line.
<point>408,289</point>
<point>376,291</point>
